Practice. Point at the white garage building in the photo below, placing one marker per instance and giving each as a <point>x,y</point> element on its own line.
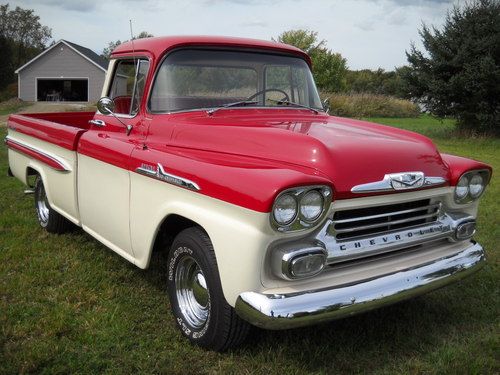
<point>63,72</point>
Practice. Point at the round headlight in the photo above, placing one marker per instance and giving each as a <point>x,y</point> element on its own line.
<point>476,186</point>
<point>311,205</point>
<point>285,209</point>
<point>462,188</point>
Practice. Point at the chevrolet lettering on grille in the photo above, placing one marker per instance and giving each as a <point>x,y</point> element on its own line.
<point>391,238</point>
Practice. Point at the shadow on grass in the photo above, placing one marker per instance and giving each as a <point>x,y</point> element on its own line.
<point>364,342</point>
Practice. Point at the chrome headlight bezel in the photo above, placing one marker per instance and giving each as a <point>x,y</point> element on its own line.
<point>300,222</point>
<point>293,210</point>
<point>468,176</point>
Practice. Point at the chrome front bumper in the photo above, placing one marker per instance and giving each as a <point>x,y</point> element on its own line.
<point>282,311</point>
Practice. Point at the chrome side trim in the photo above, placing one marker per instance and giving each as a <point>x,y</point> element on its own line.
<point>159,173</point>
<point>391,183</point>
<point>64,165</point>
<point>290,310</point>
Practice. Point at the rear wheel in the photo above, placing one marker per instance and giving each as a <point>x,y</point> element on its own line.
<point>196,297</point>
<point>49,219</point>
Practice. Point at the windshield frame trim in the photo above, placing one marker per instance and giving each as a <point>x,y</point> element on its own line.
<point>215,47</point>
<point>238,108</point>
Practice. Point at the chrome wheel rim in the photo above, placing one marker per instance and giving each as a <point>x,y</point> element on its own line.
<point>42,204</point>
<point>192,292</point>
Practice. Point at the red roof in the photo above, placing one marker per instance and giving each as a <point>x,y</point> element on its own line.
<point>158,45</point>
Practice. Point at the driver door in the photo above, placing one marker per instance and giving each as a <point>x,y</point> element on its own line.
<point>104,157</point>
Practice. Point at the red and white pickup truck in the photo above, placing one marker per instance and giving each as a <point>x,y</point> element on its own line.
<point>273,213</point>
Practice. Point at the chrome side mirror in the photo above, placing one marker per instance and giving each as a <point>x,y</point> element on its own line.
<point>326,105</point>
<point>106,106</point>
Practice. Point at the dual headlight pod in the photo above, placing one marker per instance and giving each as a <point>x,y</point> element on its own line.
<point>471,186</point>
<point>300,208</point>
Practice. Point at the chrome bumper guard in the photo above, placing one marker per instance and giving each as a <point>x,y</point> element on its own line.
<point>283,311</point>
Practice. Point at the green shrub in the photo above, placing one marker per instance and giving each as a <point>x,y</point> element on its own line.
<point>370,105</point>
<point>9,92</point>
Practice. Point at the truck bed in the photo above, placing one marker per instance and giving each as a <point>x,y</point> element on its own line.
<point>60,128</point>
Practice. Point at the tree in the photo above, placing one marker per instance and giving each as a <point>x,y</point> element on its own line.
<point>106,52</point>
<point>377,82</point>
<point>460,74</point>
<point>329,68</point>
<point>23,28</point>
<point>22,37</point>
<point>6,68</point>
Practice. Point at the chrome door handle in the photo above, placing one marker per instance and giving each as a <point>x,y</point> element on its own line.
<point>98,123</point>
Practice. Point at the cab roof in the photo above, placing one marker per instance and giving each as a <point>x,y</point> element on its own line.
<point>158,45</point>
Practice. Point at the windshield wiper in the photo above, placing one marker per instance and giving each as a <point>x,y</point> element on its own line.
<point>287,102</point>
<point>233,104</point>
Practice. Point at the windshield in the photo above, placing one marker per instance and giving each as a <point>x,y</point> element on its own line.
<point>201,79</point>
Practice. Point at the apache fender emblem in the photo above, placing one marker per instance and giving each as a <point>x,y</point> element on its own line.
<point>399,181</point>
<point>159,173</point>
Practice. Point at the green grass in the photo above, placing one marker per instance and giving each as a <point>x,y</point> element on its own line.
<point>11,106</point>
<point>69,305</point>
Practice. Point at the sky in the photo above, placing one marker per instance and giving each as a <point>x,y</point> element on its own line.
<point>370,34</point>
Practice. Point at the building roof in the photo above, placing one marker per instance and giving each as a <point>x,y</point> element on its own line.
<point>86,53</point>
<point>91,55</point>
<point>158,45</point>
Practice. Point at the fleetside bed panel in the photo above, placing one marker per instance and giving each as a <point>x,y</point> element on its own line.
<point>43,127</point>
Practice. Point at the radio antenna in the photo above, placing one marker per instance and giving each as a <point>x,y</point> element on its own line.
<point>132,37</point>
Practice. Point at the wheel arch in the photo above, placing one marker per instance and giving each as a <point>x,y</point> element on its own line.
<point>31,172</point>
<point>171,225</point>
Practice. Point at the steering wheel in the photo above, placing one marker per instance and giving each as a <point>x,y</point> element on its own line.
<point>286,97</point>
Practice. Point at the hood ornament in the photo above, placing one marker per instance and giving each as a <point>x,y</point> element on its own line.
<point>407,180</point>
<point>399,181</point>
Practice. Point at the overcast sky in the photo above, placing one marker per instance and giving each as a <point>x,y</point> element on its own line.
<point>369,33</point>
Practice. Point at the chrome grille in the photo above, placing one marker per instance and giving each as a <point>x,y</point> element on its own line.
<point>362,222</point>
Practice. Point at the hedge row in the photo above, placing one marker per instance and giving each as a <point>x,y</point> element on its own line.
<point>370,105</point>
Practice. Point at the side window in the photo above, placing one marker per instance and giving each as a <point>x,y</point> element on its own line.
<point>127,87</point>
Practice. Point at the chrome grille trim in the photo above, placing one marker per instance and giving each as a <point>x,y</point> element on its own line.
<point>365,222</point>
<point>393,222</point>
<point>431,206</point>
<point>341,251</point>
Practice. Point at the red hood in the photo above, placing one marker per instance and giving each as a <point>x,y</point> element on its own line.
<point>345,151</point>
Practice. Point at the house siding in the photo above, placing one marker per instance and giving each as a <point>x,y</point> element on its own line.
<point>60,62</point>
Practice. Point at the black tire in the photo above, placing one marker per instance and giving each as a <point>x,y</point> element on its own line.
<point>202,314</point>
<point>49,219</point>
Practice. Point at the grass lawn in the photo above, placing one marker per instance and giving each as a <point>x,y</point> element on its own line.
<point>69,305</point>
<point>11,106</point>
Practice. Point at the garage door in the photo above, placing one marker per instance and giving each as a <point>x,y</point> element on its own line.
<point>64,90</point>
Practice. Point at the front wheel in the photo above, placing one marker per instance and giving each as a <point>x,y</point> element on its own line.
<point>49,219</point>
<point>196,297</point>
